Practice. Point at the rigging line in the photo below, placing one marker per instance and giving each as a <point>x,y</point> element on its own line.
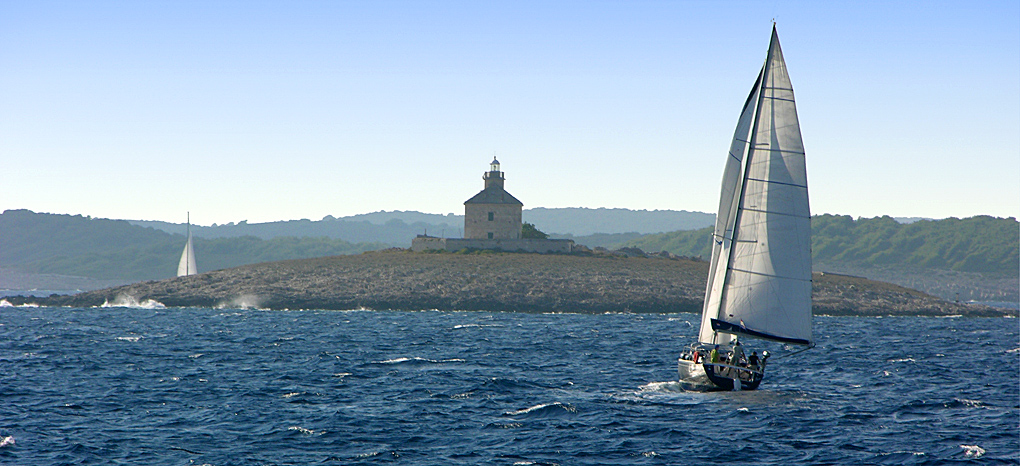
<point>774,212</point>
<point>780,98</point>
<point>795,352</point>
<point>778,182</point>
<point>769,275</point>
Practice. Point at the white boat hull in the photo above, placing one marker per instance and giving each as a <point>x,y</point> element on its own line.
<point>693,376</point>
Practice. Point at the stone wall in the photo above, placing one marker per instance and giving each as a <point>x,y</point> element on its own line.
<point>425,243</point>
<point>505,223</point>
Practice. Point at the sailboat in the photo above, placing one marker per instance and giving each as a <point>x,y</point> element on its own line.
<point>187,265</point>
<point>759,282</point>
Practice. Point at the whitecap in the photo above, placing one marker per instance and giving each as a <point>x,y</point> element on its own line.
<point>9,440</point>
<point>972,451</point>
<point>460,326</point>
<point>305,431</point>
<point>969,403</point>
<point>291,394</point>
<point>539,407</point>
<point>132,302</point>
<point>132,339</point>
<point>902,360</point>
<point>418,360</point>
<point>6,303</point>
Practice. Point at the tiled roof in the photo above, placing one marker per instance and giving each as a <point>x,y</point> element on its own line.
<point>493,195</point>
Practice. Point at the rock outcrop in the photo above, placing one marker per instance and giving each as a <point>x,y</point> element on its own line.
<point>401,279</point>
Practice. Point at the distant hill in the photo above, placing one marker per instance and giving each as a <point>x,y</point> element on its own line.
<point>583,221</point>
<point>398,228</point>
<point>601,240</point>
<point>977,244</point>
<point>983,251</point>
<point>394,232</point>
<point>116,249</point>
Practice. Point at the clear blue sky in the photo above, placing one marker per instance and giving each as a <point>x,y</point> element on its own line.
<point>266,111</point>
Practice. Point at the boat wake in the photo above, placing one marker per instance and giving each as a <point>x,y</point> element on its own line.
<point>661,387</point>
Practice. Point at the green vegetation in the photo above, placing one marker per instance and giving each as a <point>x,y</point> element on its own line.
<point>690,243</point>
<point>528,231</point>
<point>978,244</point>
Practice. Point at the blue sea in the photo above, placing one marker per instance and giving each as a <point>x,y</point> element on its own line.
<point>250,387</point>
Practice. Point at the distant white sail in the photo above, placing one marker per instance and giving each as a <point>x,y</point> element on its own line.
<point>760,275</point>
<point>187,265</point>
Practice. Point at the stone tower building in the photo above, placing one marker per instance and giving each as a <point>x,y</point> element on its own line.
<point>493,213</point>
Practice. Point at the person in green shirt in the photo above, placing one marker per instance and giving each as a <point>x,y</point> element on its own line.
<point>714,355</point>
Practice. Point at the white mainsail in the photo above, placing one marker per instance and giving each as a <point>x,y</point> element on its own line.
<point>759,280</point>
<point>187,265</point>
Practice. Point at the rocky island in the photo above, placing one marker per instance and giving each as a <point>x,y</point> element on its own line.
<point>494,281</point>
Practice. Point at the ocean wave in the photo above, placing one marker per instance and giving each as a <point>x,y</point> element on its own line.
<point>132,302</point>
<point>460,326</point>
<point>555,409</point>
<point>417,360</point>
<point>6,303</point>
<point>972,451</point>
<point>305,431</point>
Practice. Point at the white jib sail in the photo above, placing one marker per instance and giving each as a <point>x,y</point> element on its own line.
<point>764,249</point>
<point>187,264</point>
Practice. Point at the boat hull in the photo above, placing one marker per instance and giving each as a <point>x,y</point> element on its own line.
<point>713,377</point>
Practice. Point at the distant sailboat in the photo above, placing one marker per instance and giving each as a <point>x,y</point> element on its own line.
<point>759,282</point>
<point>187,264</point>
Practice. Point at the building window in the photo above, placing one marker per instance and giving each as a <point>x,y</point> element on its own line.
<point>490,233</point>
<point>490,216</point>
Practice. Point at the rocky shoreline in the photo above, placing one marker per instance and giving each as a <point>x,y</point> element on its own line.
<point>405,280</point>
